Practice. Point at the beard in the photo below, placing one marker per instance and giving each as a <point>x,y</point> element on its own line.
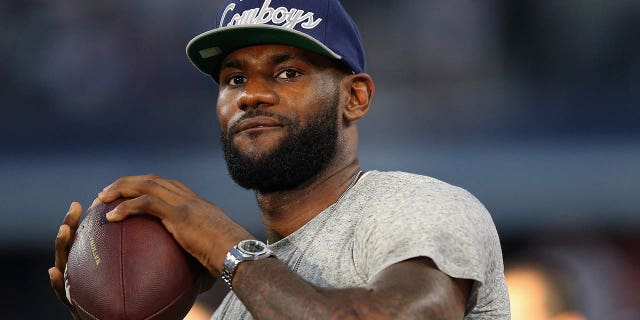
<point>303,153</point>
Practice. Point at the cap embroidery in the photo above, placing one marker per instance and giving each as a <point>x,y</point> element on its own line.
<point>281,16</point>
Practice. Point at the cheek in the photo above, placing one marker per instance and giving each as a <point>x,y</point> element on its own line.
<point>224,110</point>
<point>321,99</point>
<point>221,112</point>
<point>311,99</point>
<point>327,90</point>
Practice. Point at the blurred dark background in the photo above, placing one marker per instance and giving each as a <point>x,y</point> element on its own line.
<point>533,106</point>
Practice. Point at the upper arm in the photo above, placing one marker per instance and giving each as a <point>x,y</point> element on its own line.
<point>411,289</point>
<point>447,225</point>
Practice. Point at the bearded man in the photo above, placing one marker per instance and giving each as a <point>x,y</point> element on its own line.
<point>341,242</point>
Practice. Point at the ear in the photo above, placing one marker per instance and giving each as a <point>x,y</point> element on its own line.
<point>360,88</point>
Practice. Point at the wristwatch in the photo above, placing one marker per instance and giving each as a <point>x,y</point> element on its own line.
<point>245,250</point>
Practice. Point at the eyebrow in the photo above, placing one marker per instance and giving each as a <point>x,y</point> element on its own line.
<point>231,64</point>
<point>280,58</point>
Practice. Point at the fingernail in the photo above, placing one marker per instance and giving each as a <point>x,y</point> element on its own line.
<point>95,202</point>
<point>70,208</point>
<point>50,271</point>
<point>111,215</point>
<point>59,232</point>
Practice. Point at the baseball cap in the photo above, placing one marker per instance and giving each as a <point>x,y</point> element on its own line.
<point>320,26</point>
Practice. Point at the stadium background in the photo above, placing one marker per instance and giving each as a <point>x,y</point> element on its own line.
<point>533,106</point>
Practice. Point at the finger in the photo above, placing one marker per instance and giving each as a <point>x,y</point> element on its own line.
<point>95,202</point>
<point>62,246</point>
<point>56,279</point>
<point>181,186</point>
<point>131,187</point>
<point>142,204</point>
<point>169,184</point>
<point>72,218</point>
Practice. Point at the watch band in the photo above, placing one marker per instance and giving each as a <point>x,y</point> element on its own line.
<point>246,250</point>
<point>230,264</point>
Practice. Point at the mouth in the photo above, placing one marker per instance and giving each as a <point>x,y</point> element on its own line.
<point>257,123</point>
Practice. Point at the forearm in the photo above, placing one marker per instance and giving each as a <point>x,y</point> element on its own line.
<point>270,290</point>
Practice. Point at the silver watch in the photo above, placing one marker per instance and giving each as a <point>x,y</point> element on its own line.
<point>245,250</point>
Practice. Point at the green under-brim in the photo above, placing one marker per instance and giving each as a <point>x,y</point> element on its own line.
<point>207,50</point>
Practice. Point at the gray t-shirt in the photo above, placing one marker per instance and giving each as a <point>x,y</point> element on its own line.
<point>389,217</point>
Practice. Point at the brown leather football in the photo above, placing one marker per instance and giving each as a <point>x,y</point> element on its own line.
<point>133,269</point>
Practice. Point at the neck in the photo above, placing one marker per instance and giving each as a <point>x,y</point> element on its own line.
<point>287,211</point>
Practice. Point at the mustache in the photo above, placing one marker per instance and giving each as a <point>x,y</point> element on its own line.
<point>258,112</point>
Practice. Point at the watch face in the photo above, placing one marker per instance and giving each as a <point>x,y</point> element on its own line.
<point>252,246</point>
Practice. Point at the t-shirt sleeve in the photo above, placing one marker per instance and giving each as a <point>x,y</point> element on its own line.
<point>435,220</point>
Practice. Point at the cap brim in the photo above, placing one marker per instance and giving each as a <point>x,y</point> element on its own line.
<point>207,50</point>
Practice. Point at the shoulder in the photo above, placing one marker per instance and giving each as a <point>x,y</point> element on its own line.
<point>411,207</point>
<point>402,189</point>
<point>408,215</point>
<point>402,178</point>
<point>417,204</point>
<point>424,205</point>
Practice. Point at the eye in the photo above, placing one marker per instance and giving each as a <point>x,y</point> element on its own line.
<point>237,80</point>
<point>288,74</point>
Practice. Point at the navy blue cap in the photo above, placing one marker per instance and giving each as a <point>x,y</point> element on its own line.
<point>320,26</point>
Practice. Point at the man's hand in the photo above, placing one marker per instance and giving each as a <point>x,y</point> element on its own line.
<point>199,226</point>
<point>64,239</point>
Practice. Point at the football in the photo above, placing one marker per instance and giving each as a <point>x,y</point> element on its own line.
<point>133,269</point>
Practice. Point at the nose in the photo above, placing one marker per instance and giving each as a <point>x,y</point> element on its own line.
<point>257,93</point>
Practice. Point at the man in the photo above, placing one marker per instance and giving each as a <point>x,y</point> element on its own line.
<point>341,243</point>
